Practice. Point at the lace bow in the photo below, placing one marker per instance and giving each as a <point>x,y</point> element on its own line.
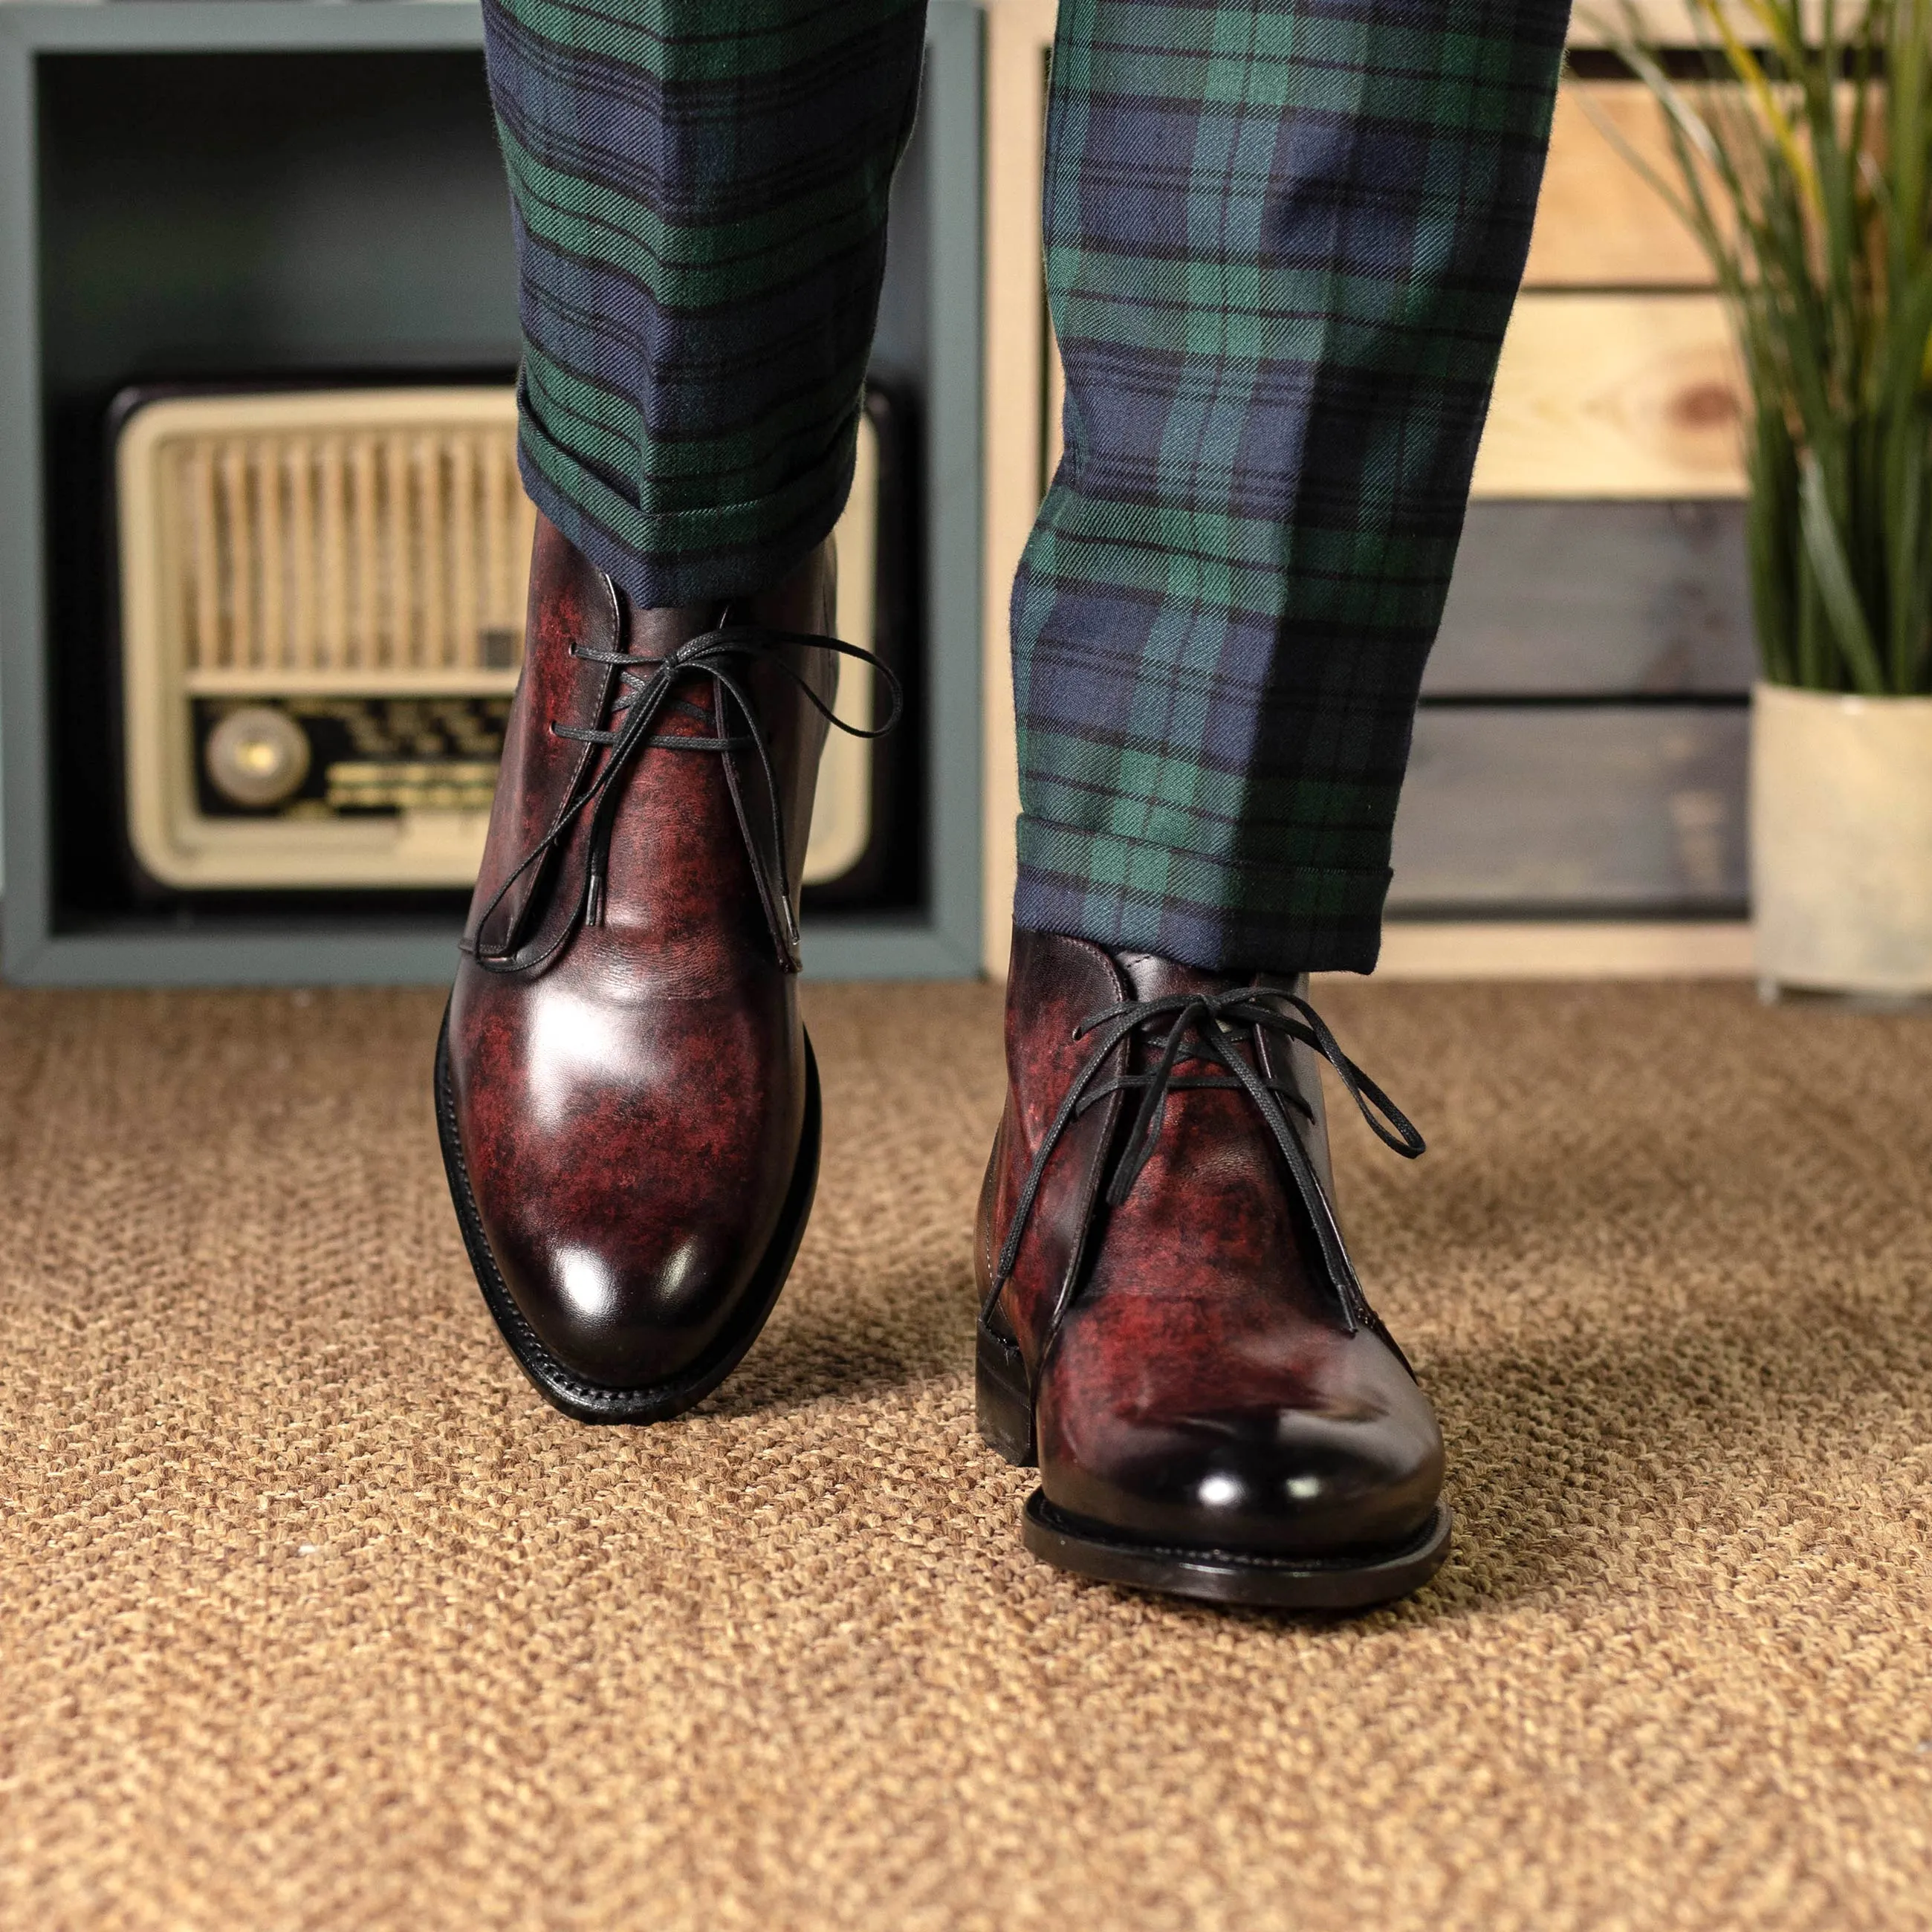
<point>1209,1021</point>
<point>645,685</point>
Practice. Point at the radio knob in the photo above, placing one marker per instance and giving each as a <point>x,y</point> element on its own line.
<point>257,756</point>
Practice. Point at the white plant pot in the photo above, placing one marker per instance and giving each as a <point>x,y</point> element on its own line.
<point>1841,841</point>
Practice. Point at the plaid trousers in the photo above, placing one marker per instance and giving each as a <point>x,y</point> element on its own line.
<point>1282,240</point>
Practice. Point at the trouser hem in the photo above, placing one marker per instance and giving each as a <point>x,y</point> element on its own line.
<point>1223,915</point>
<point>685,556</point>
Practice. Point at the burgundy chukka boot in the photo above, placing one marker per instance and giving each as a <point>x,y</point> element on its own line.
<point>627,1100</point>
<point>1172,1328</point>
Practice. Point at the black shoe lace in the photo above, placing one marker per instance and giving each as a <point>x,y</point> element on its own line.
<point>1209,1021</point>
<point>645,684</point>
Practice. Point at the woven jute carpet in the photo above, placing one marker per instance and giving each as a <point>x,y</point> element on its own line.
<point>312,1615</point>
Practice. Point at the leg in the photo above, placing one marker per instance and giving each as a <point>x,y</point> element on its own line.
<point>627,1105</point>
<point>1283,237</point>
<point>700,212</point>
<point>1282,240</point>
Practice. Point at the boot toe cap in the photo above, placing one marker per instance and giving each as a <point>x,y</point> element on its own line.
<point>1357,1470</point>
<point>637,1205</point>
<point>618,1316</point>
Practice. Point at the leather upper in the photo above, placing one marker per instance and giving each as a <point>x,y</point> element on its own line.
<point>630,1105</point>
<point>1196,1379</point>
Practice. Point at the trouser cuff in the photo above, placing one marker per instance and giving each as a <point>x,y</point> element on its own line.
<point>661,559</point>
<point>1224,915</point>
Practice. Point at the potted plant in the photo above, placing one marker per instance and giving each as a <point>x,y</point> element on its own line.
<point>1803,167</point>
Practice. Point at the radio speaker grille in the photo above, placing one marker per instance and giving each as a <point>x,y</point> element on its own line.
<point>383,552</point>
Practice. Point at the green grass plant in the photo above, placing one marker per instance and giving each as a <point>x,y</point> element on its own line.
<point>1803,165</point>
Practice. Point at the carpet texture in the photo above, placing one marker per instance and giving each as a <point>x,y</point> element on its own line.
<point>312,1616</point>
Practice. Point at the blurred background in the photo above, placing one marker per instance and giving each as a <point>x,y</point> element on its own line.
<point>263,547</point>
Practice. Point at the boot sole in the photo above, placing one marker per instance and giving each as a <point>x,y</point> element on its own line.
<point>1357,1580</point>
<point>655,1402</point>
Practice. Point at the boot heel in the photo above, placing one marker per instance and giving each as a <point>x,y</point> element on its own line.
<point>1004,1407</point>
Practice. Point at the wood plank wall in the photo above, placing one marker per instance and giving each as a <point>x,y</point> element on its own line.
<point>1580,751</point>
<point>1582,744</point>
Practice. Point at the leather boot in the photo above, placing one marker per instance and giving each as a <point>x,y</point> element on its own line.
<point>1172,1328</point>
<point>627,1099</point>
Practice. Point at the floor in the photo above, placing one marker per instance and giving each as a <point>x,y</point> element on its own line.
<point>312,1616</point>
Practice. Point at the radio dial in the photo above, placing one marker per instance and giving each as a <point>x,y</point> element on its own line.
<point>257,756</point>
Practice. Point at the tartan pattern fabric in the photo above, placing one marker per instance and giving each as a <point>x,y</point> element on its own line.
<point>1283,238</point>
<point>699,195</point>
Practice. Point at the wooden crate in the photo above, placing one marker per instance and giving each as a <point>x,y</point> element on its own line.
<point>1596,396</point>
<point>1569,809</point>
<point>1582,599</point>
<point>1599,223</point>
<point>1668,23</point>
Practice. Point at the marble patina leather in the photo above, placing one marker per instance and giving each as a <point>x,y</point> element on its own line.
<point>1199,1368</point>
<point>628,1106</point>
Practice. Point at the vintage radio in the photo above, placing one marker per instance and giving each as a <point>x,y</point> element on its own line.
<point>322,600</point>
